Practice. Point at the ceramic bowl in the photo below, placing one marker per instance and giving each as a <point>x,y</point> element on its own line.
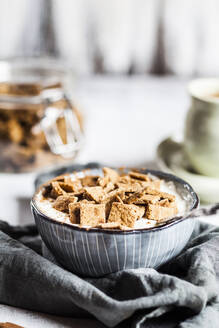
<point>97,252</point>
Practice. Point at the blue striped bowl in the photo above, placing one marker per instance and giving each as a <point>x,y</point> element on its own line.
<point>97,252</point>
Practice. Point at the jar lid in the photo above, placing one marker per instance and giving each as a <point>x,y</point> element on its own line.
<point>33,93</point>
<point>31,80</point>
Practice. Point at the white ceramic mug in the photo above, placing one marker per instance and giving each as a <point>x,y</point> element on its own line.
<point>201,138</point>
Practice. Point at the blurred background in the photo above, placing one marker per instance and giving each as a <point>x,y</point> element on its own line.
<point>115,37</point>
<point>129,63</point>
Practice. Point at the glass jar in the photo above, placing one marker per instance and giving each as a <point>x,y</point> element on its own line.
<point>39,126</point>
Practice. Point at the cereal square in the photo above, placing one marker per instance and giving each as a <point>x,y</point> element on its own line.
<point>110,225</point>
<point>111,174</point>
<point>162,194</point>
<point>92,214</point>
<point>142,198</point>
<point>61,203</point>
<point>139,176</point>
<point>160,213</point>
<point>89,181</point>
<point>56,190</point>
<point>74,212</point>
<point>125,214</point>
<point>95,193</point>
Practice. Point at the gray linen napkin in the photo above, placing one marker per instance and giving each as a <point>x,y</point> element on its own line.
<point>184,293</point>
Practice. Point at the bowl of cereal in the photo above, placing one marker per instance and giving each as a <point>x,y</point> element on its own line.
<point>95,221</point>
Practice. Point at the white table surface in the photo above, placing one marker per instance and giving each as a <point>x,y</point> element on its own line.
<point>125,120</point>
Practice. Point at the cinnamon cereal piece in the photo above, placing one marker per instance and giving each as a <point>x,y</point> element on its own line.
<point>60,178</point>
<point>110,225</point>
<point>68,187</point>
<point>76,184</point>
<point>139,176</point>
<point>87,201</point>
<point>89,181</point>
<point>92,214</point>
<point>103,181</point>
<point>116,195</point>
<point>74,212</point>
<point>160,213</point>
<point>109,187</point>
<point>124,179</point>
<point>118,199</point>
<point>56,190</point>
<point>61,203</point>
<point>167,203</point>
<point>113,193</point>
<point>164,203</point>
<point>132,187</point>
<point>125,214</point>
<point>162,194</point>
<point>142,198</point>
<point>46,190</point>
<point>122,227</point>
<point>95,193</point>
<point>111,174</point>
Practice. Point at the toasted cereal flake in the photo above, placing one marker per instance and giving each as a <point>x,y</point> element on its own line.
<point>165,203</point>
<point>74,212</point>
<point>160,213</point>
<point>125,214</point>
<point>76,184</point>
<point>162,194</point>
<point>142,198</point>
<point>132,187</point>
<point>61,203</point>
<point>87,201</point>
<point>92,214</point>
<point>109,187</point>
<point>111,174</point>
<point>95,193</point>
<point>118,199</point>
<point>56,190</point>
<point>89,181</point>
<point>60,178</point>
<point>139,176</point>
<point>110,225</point>
<point>68,187</point>
<point>103,181</point>
<point>116,195</point>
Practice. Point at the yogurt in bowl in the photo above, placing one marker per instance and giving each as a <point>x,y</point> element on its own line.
<point>126,200</point>
<point>124,234</point>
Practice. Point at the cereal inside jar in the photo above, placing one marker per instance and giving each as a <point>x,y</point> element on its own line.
<point>26,144</point>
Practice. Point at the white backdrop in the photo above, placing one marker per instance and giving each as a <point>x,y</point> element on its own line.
<point>116,36</point>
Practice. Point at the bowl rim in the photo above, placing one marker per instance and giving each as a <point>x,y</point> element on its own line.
<point>165,225</point>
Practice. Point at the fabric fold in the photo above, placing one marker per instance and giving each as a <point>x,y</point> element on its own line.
<point>189,284</point>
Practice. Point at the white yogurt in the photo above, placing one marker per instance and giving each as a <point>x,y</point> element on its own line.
<point>170,188</point>
<point>45,206</point>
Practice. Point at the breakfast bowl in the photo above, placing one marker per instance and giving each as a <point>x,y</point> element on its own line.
<point>95,252</point>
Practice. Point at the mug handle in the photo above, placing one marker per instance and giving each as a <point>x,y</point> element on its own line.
<point>74,137</point>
